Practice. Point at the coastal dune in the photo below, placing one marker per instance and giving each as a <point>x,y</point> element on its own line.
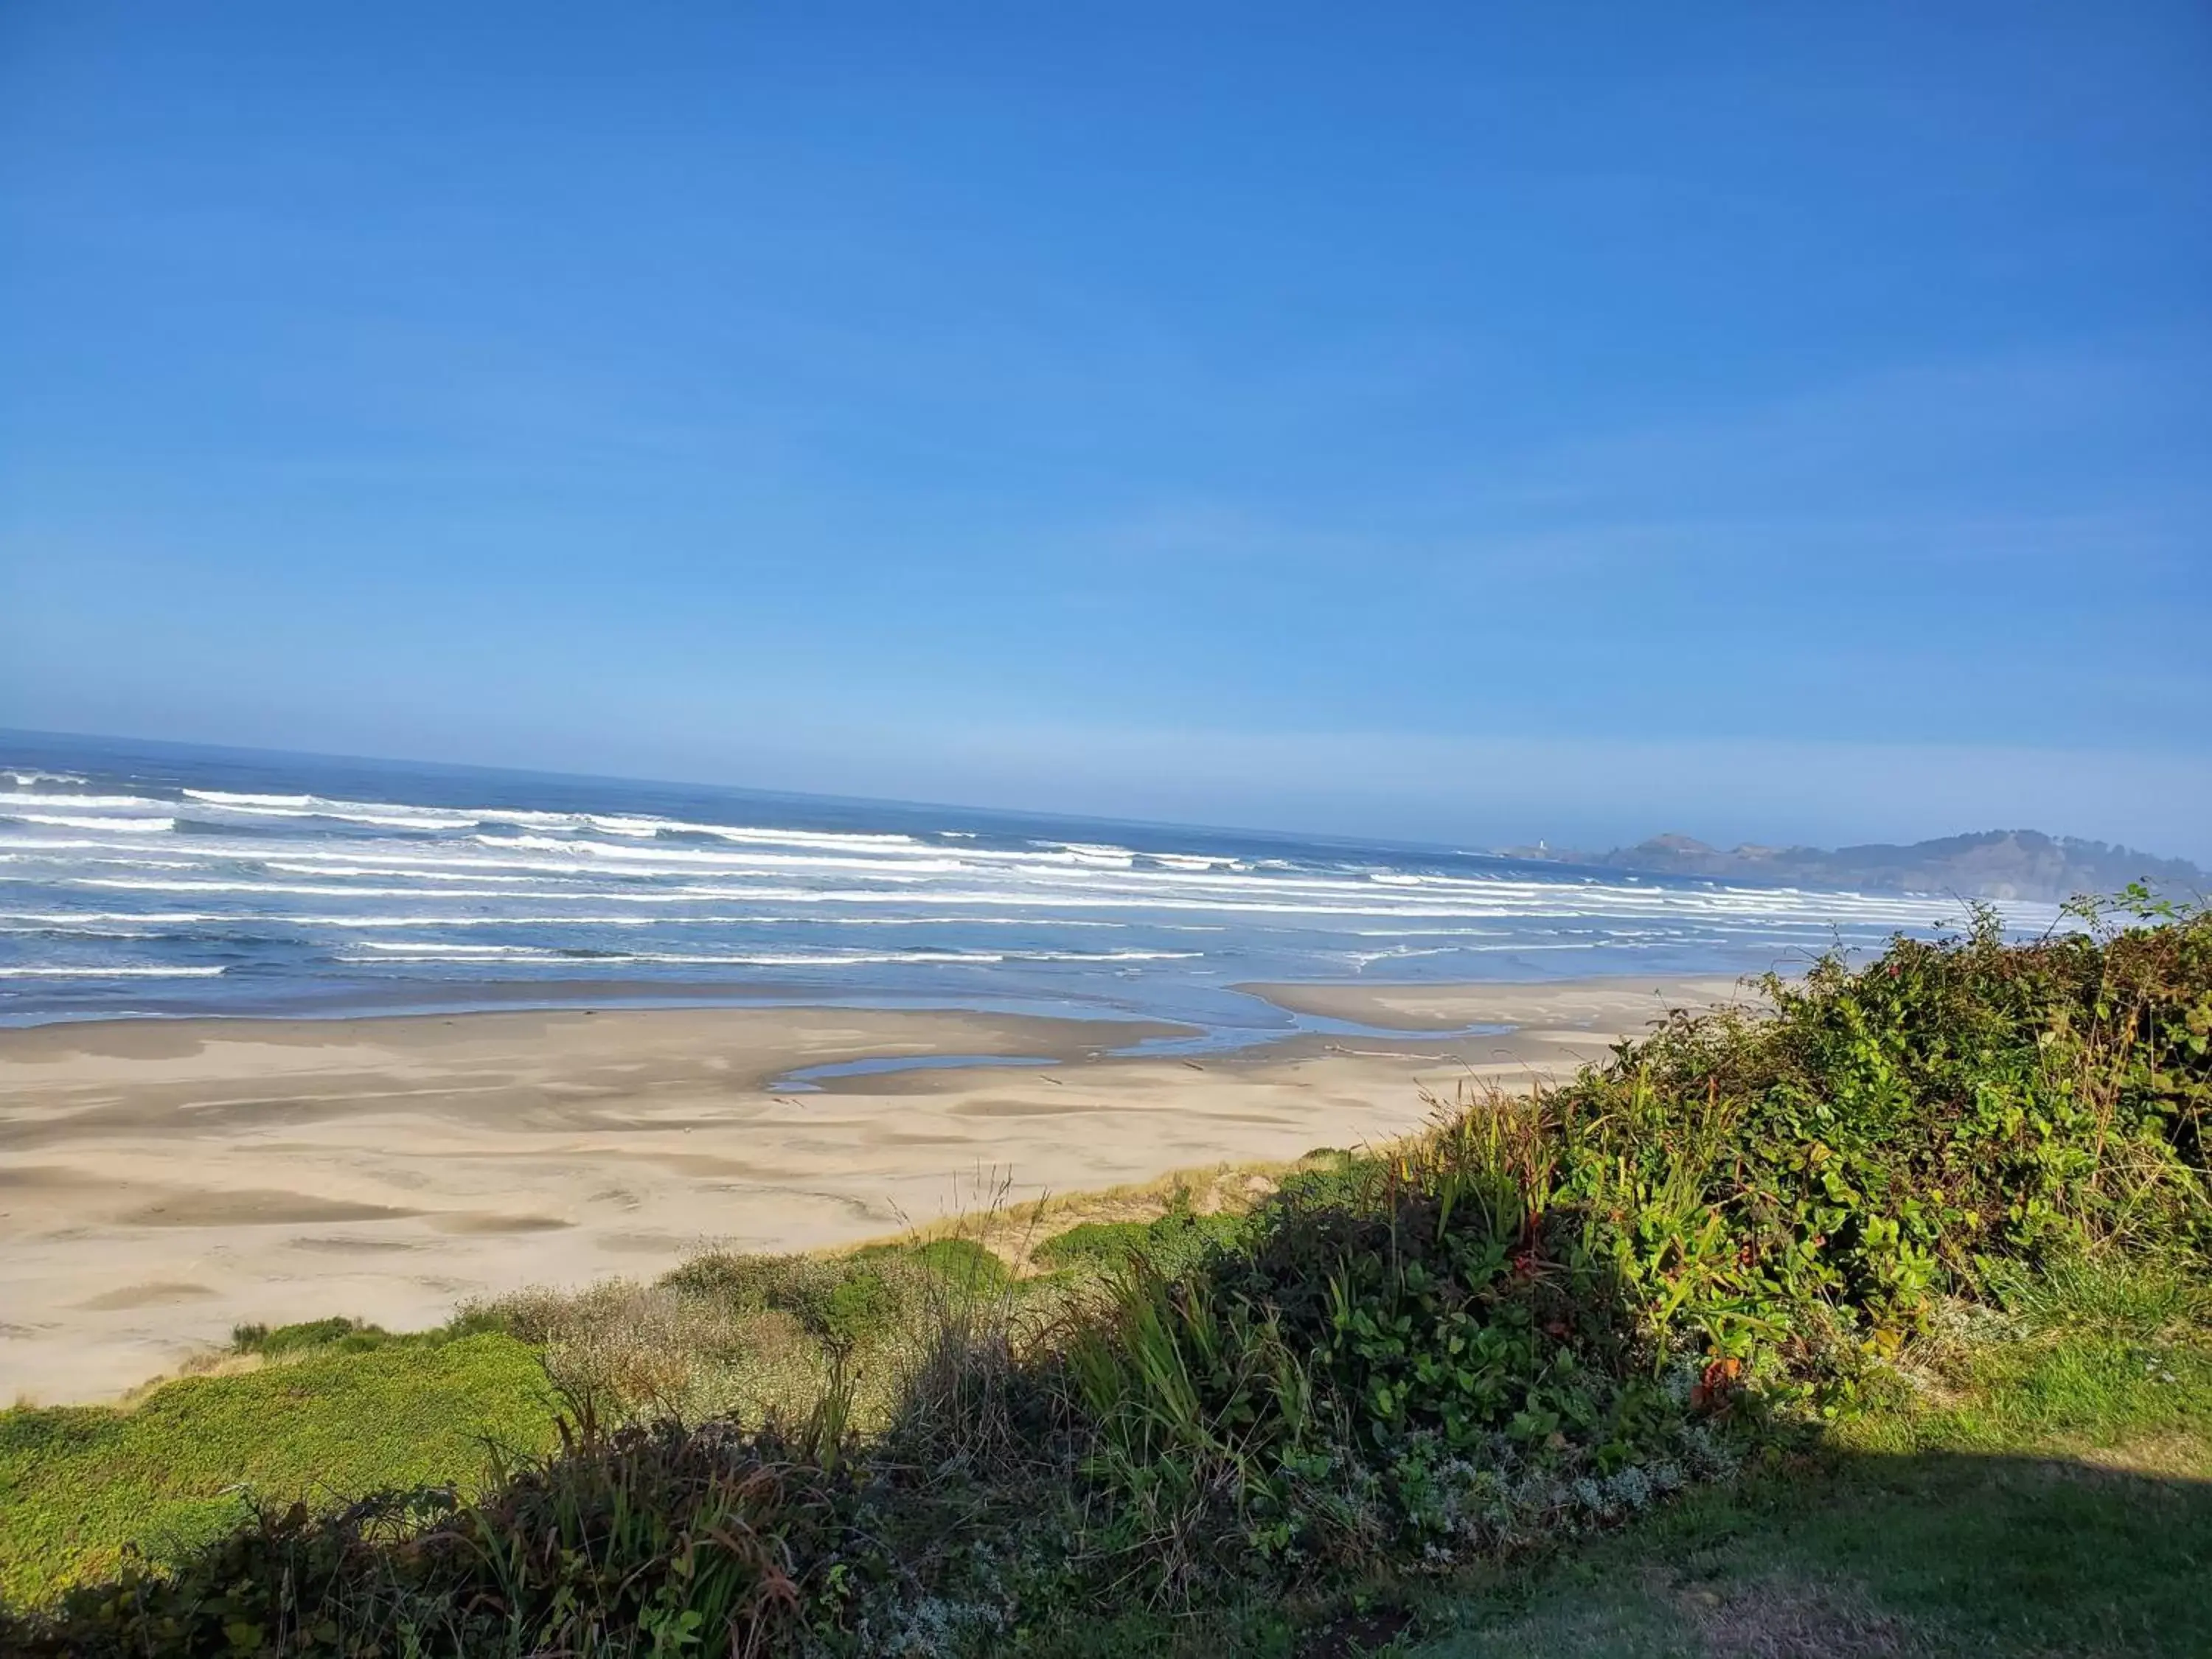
<point>162,1180</point>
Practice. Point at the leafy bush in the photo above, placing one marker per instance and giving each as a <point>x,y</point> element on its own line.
<point>1893,1130</point>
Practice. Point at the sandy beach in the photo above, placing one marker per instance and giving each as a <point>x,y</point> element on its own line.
<point>161,1180</point>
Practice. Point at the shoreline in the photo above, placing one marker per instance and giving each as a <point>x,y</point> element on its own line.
<point>161,1180</point>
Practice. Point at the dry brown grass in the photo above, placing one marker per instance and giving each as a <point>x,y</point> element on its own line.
<point>1785,1616</point>
<point>2177,1456</point>
<point>635,1351</point>
<point>207,1362</point>
<point>1012,1231</point>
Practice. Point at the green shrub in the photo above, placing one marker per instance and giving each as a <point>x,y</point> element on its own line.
<point>796,1284</point>
<point>868,1296</point>
<point>1096,1243</point>
<point>965,1265</point>
<point>1893,1130</point>
<point>347,1336</point>
<point>1171,1244</point>
<point>1331,1177</point>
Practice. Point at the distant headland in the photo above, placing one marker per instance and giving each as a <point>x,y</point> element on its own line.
<point>1992,864</point>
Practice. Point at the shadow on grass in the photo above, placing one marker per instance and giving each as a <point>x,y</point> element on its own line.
<point>1925,1554</point>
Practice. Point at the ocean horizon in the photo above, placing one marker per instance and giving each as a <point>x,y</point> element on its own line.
<point>148,879</point>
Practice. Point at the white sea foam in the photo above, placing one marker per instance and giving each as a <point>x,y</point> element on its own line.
<point>134,972</point>
<point>46,797</point>
<point>424,821</point>
<point>61,918</point>
<point>799,838</point>
<point>627,864</point>
<point>429,948</point>
<point>394,814</point>
<point>1104,850</point>
<point>633,824</point>
<point>393,817</point>
<point>111,929</point>
<point>556,858</point>
<point>350,887</point>
<point>459,953</point>
<point>1755,907</point>
<point>672,858</point>
<point>1109,956</point>
<point>292,866</point>
<point>435,947</point>
<point>519,956</point>
<point>127,826</point>
<point>1430,932</point>
<point>398,952</point>
<point>683,921</point>
<point>118,883</point>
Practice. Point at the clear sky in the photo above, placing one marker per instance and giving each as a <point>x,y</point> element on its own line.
<point>1476,422</point>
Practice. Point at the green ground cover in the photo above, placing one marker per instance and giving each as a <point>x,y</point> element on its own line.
<point>187,1464</point>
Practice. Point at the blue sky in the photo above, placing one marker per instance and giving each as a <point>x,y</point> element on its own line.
<point>1459,423</point>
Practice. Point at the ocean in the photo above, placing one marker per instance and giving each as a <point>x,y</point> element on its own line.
<point>145,879</point>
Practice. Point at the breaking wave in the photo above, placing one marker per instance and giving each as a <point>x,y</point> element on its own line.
<point>335,886</point>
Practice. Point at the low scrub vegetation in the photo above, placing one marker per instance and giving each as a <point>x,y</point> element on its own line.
<point>83,1490</point>
<point>1738,1243</point>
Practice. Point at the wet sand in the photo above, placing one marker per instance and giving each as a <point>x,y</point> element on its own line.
<point>162,1180</point>
<point>1621,1004</point>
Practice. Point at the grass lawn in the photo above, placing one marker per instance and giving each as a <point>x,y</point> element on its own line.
<point>79,1483</point>
<point>1932,1553</point>
<point>2046,1494</point>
